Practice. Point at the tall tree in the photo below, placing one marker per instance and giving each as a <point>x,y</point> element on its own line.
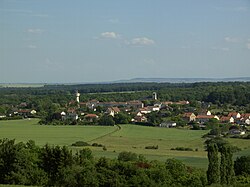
<point>213,172</point>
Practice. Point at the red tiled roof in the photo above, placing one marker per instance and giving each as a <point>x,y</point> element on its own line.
<point>91,116</point>
<point>204,117</point>
<point>187,115</point>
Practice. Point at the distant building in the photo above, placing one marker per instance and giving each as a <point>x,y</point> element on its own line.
<point>154,96</point>
<point>77,97</point>
<point>112,111</point>
<point>189,116</point>
<point>168,124</point>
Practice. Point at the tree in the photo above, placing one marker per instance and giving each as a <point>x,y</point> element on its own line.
<point>242,165</point>
<point>213,172</point>
<point>106,120</point>
<point>122,118</point>
<point>127,156</point>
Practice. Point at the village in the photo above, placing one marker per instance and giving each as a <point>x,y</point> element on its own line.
<point>156,113</point>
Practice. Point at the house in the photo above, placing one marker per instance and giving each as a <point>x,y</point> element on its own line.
<point>189,116</point>
<point>235,115</point>
<point>112,111</point>
<point>138,114</point>
<point>71,110</point>
<point>227,119</point>
<point>166,103</point>
<point>247,121</point>
<point>24,112</point>
<point>91,117</point>
<point>135,104</point>
<point>139,119</point>
<point>205,118</point>
<point>237,131</point>
<point>72,116</point>
<point>2,115</point>
<point>33,112</point>
<point>181,103</point>
<point>168,124</point>
<point>92,104</point>
<point>246,115</point>
<point>144,110</point>
<point>154,108</point>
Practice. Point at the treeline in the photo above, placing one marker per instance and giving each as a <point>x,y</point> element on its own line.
<point>234,93</point>
<point>28,164</point>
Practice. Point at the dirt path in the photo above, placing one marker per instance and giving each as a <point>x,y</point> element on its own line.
<point>118,127</point>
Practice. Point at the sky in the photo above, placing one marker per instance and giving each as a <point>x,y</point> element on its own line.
<point>63,41</point>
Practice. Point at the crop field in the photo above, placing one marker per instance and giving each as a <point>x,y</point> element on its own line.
<point>129,138</point>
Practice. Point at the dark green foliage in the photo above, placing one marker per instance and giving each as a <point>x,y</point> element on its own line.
<point>213,172</point>
<point>151,147</point>
<point>19,163</point>
<point>223,166</point>
<point>242,165</point>
<point>28,164</point>
<point>82,155</point>
<point>96,145</point>
<point>106,120</point>
<point>122,118</point>
<point>80,143</point>
<point>127,156</point>
<point>53,159</point>
<point>182,149</point>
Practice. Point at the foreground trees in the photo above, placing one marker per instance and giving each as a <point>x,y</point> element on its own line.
<point>27,164</point>
<point>220,157</point>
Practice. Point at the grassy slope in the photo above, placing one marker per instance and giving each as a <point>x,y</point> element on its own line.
<point>23,130</point>
<point>129,138</point>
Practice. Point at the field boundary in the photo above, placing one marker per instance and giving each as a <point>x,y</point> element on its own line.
<point>108,134</point>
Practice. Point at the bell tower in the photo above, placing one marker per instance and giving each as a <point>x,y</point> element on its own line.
<point>77,96</point>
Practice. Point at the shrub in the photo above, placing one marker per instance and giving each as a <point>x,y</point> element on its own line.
<point>182,149</point>
<point>80,143</point>
<point>151,147</point>
<point>127,156</point>
<point>97,145</point>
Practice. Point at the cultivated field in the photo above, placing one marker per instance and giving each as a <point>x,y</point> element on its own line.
<point>128,138</point>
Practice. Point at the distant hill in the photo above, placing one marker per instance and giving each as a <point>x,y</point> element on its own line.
<point>184,80</point>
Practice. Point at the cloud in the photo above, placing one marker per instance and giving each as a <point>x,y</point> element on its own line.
<point>231,39</point>
<point>35,31</point>
<point>111,35</point>
<point>32,46</point>
<point>141,41</point>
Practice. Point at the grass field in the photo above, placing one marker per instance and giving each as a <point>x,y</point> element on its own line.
<point>23,130</point>
<point>129,138</point>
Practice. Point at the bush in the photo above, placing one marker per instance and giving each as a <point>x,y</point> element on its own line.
<point>80,143</point>
<point>151,147</point>
<point>182,149</point>
<point>127,156</point>
<point>97,145</point>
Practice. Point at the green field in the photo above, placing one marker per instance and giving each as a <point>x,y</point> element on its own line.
<point>128,138</point>
<point>23,130</point>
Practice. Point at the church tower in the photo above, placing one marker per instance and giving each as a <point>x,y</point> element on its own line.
<point>77,96</point>
<point>154,96</point>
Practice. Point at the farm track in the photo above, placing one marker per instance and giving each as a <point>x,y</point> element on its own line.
<point>108,134</point>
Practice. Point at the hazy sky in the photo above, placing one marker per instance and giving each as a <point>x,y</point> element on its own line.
<point>104,40</point>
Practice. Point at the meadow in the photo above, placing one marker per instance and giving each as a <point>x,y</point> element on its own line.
<point>129,138</point>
